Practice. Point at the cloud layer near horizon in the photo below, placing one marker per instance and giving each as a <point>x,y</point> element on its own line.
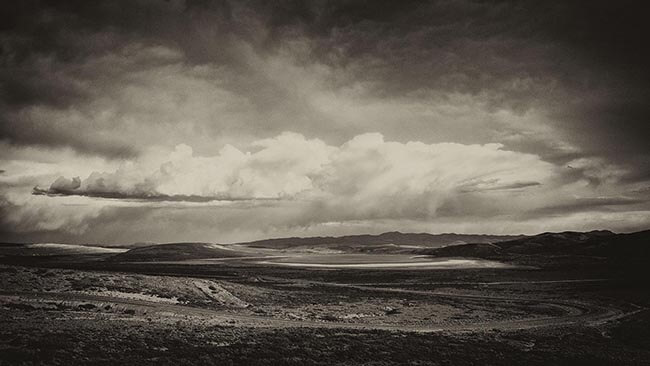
<point>290,166</point>
<point>365,178</point>
<point>290,182</point>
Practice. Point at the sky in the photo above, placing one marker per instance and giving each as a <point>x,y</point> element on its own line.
<point>225,121</point>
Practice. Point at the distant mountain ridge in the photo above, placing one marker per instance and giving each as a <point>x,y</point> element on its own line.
<point>600,243</point>
<point>594,243</point>
<point>393,237</point>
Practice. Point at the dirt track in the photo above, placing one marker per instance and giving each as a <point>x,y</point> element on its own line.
<point>573,312</point>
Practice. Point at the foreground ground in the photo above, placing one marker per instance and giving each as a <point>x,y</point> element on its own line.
<point>86,308</point>
<point>261,315</point>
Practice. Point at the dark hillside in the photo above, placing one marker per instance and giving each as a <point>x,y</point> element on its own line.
<point>174,252</point>
<point>394,237</point>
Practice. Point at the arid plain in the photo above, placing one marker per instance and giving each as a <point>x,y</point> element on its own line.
<point>377,300</point>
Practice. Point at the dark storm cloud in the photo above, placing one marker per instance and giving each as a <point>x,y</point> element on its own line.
<point>65,191</point>
<point>510,35</point>
<point>45,46</point>
<point>595,204</point>
<point>37,134</point>
<point>585,63</point>
<point>506,187</point>
<point>573,58</point>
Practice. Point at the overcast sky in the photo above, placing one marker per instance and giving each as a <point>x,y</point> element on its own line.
<point>218,121</point>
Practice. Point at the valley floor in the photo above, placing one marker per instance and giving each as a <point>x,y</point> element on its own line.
<point>67,312</point>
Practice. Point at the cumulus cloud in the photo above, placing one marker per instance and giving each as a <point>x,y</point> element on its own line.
<point>281,167</point>
<point>370,176</point>
<point>291,184</point>
<point>64,185</point>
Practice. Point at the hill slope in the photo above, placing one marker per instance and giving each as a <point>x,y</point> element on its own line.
<point>372,243</point>
<point>593,243</point>
<point>175,252</point>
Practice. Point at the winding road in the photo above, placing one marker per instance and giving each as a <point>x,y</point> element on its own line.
<point>573,312</point>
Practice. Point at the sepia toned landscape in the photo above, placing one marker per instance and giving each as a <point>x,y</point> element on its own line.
<point>324,182</point>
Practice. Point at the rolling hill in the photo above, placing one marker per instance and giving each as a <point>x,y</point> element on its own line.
<point>391,242</point>
<point>594,243</point>
<point>175,252</point>
<point>382,242</point>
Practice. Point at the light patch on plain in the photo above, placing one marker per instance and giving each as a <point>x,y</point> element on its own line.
<point>134,296</point>
<point>445,264</point>
<point>56,247</point>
